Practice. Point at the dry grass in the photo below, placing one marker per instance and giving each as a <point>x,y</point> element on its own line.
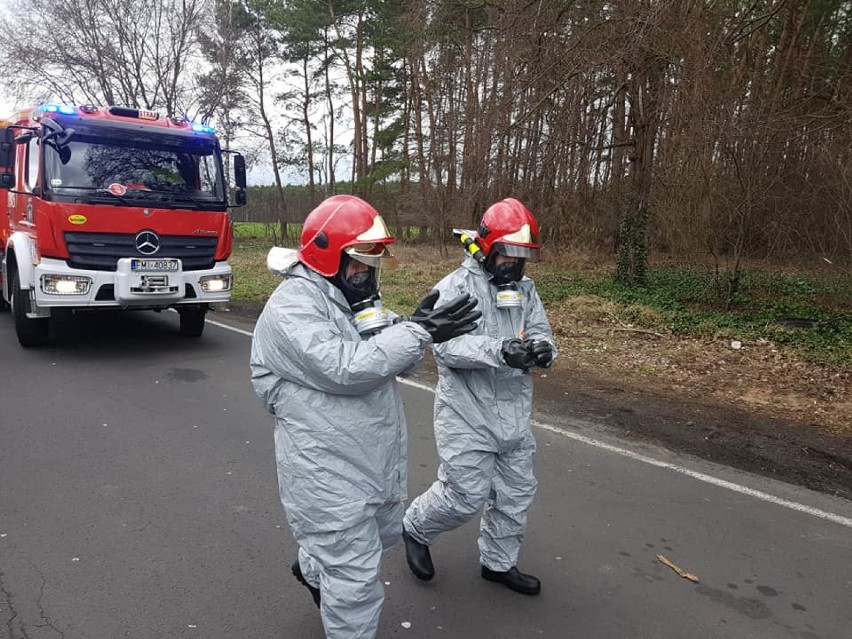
<point>632,343</point>
<point>629,343</point>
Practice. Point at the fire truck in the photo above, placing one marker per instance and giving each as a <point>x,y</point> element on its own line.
<point>112,208</point>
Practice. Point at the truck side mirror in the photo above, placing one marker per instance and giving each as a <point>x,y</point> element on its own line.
<point>239,171</point>
<point>240,197</point>
<point>7,148</point>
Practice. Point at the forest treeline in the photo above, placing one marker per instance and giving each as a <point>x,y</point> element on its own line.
<point>716,130</point>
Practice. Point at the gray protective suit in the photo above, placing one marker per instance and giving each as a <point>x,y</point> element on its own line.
<point>340,440</point>
<point>482,424</point>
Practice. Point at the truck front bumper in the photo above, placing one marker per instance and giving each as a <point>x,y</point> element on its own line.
<point>163,284</point>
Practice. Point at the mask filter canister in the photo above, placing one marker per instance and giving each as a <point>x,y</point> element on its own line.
<point>371,316</point>
<point>508,296</point>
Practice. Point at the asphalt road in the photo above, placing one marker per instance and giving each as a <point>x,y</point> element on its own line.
<point>138,499</point>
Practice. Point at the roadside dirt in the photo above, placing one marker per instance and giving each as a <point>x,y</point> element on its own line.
<point>745,405</point>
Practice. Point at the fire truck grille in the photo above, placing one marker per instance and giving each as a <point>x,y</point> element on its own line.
<point>101,251</point>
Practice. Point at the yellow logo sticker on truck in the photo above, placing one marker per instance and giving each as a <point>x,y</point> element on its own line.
<point>78,219</point>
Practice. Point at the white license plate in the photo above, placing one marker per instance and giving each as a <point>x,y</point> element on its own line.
<point>148,266</point>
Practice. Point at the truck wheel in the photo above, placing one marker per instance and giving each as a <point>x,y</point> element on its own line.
<point>30,332</point>
<point>192,322</point>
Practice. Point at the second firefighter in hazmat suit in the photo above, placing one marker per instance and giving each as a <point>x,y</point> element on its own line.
<point>483,403</point>
<point>324,360</point>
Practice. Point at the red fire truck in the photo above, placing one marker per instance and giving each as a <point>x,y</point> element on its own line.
<point>112,208</point>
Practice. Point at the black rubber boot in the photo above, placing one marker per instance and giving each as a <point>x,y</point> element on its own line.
<point>419,559</point>
<point>514,579</point>
<point>297,573</point>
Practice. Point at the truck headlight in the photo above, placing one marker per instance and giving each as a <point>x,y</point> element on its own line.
<point>65,284</point>
<point>215,283</point>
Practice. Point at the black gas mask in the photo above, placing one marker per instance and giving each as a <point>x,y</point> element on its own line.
<point>358,287</point>
<point>506,272</point>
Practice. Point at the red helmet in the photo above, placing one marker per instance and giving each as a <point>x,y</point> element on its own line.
<point>342,223</point>
<point>509,224</point>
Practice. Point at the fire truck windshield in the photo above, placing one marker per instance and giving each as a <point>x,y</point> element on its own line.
<point>179,171</point>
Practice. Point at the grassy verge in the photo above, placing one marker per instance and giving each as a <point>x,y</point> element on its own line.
<point>809,313</point>
<point>252,281</point>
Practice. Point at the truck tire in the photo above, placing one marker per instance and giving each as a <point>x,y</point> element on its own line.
<point>4,305</point>
<point>192,321</point>
<point>30,332</point>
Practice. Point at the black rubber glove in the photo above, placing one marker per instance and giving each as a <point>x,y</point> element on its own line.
<point>517,355</point>
<point>541,351</point>
<point>455,318</point>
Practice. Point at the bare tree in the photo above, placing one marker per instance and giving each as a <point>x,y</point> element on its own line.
<point>103,51</point>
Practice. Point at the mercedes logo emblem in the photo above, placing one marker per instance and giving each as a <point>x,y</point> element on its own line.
<point>147,242</point>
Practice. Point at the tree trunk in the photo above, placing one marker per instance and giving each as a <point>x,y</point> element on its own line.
<point>632,251</point>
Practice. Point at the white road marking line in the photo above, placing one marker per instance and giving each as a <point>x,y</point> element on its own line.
<point>230,328</point>
<point>708,479</point>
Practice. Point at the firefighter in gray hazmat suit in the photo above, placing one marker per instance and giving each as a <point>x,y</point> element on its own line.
<point>324,359</point>
<point>483,403</point>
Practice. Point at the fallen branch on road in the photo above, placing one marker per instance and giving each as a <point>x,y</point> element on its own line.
<point>680,571</point>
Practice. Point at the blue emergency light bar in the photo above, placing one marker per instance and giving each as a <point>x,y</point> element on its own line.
<point>65,109</point>
<point>202,128</point>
